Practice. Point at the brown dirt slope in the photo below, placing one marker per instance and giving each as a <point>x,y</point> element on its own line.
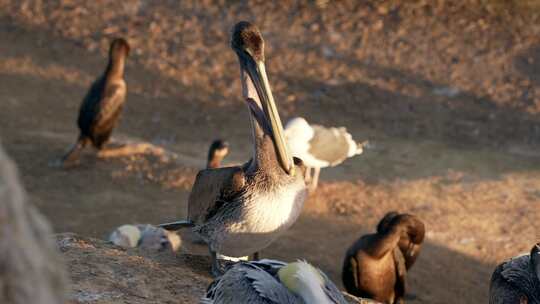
<point>104,274</point>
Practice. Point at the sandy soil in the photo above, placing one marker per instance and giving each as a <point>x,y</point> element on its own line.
<point>102,273</point>
<point>447,92</point>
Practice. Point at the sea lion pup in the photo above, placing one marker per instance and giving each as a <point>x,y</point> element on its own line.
<point>517,280</point>
<point>103,104</point>
<point>376,264</point>
<point>31,270</point>
<point>216,153</point>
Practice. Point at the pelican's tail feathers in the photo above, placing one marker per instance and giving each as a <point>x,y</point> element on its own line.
<point>177,225</point>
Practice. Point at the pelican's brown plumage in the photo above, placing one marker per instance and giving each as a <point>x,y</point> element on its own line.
<point>517,280</point>
<point>103,104</point>
<point>216,153</point>
<point>375,266</point>
<point>240,210</point>
<point>31,270</point>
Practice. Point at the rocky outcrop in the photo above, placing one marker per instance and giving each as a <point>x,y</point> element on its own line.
<point>104,273</point>
<point>31,270</point>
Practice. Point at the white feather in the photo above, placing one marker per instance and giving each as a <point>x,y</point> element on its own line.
<point>304,280</point>
<point>298,133</point>
<point>126,236</point>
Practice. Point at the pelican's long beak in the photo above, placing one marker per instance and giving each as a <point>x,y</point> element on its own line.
<point>257,74</point>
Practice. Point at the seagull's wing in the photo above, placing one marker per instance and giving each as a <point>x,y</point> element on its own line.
<point>332,145</point>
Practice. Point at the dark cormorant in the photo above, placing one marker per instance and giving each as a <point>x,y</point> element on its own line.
<point>375,266</point>
<point>103,104</point>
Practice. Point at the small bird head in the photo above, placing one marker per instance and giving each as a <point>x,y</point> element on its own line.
<point>216,153</point>
<point>119,48</point>
<point>219,148</point>
<point>384,223</point>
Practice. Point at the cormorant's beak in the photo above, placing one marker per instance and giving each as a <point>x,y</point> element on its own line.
<point>268,118</point>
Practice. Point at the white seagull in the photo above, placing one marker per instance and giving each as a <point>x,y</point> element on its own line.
<point>320,147</point>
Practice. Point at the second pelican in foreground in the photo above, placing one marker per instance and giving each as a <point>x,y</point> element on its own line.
<point>240,210</point>
<point>273,282</point>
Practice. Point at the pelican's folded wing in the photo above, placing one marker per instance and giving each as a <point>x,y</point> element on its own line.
<point>212,188</point>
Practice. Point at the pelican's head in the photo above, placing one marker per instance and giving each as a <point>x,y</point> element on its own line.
<point>248,43</point>
<point>305,281</point>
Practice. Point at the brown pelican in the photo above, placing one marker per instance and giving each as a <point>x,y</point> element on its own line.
<point>216,153</point>
<point>376,264</point>
<point>147,237</point>
<point>240,210</point>
<point>319,146</point>
<point>102,105</point>
<point>517,280</point>
<point>269,281</point>
<point>31,269</point>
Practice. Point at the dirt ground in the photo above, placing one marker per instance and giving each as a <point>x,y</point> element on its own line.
<point>447,92</point>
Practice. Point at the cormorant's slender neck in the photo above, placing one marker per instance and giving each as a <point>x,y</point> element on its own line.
<point>213,160</point>
<point>115,68</point>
